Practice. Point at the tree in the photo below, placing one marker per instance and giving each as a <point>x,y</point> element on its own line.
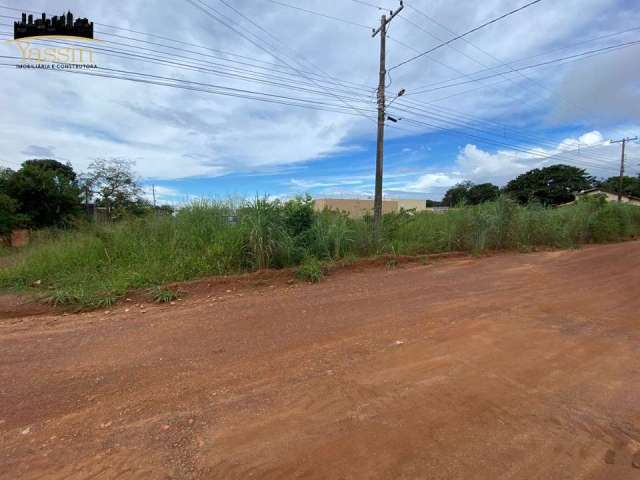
<point>470,194</point>
<point>456,194</point>
<point>298,215</point>
<point>115,185</point>
<point>552,185</point>
<point>5,175</point>
<point>484,192</point>
<point>630,185</point>
<point>46,191</point>
<point>10,218</point>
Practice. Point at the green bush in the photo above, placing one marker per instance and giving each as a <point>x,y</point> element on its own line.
<point>163,295</point>
<point>330,235</point>
<point>310,270</point>
<point>9,216</point>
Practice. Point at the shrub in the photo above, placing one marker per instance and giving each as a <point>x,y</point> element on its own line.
<point>310,270</point>
<point>9,216</point>
<point>163,295</point>
<point>330,235</point>
<point>267,242</point>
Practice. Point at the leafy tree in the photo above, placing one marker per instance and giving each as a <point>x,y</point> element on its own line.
<point>432,203</point>
<point>10,218</point>
<point>5,176</point>
<point>46,191</point>
<point>115,185</point>
<point>552,185</point>
<point>298,215</point>
<point>470,193</point>
<point>456,194</point>
<point>484,192</point>
<point>630,185</point>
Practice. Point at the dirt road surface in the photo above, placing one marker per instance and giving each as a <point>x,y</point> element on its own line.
<point>515,366</point>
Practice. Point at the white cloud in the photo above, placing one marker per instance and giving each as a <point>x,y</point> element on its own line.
<point>166,195</point>
<point>590,151</point>
<point>175,134</point>
<point>428,181</point>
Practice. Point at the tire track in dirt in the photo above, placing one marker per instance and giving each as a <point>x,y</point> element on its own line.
<point>507,367</point>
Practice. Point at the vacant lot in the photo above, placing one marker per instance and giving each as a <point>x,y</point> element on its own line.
<point>507,367</point>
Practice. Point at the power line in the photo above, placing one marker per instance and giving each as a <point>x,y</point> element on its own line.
<point>532,153</point>
<point>319,14</point>
<point>452,68</point>
<point>311,92</point>
<point>520,60</point>
<point>208,9</point>
<point>474,59</point>
<point>452,124</point>
<point>271,66</point>
<point>361,2</point>
<point>218,86</point>
<point>268,80</point>
<point>210,88</point>
<point>140,33</point>
<point>455,119</point>
<point>575,57</point>
<point>418,106</point>
<point>475,29</point>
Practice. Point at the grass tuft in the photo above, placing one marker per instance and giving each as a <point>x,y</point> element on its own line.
<point>164,295</point>
<point>310,270</point>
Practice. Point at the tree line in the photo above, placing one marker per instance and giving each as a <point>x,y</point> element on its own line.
<point>47,193</point>
<point>553,185</point>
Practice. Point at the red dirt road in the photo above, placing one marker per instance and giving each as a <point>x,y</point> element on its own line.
<point>516,366</point>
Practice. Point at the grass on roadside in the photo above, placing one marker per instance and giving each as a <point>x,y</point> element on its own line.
<point>94,266</point>
<point>310,270</point>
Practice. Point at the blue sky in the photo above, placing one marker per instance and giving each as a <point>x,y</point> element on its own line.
<point>456,125</point>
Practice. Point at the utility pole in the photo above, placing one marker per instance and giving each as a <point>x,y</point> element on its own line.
<point>377,200</point>
<point>620,181</point>
<point>153,190</point>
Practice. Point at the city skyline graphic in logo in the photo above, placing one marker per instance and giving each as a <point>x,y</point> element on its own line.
<point>64,25</point>
<point>59,42</point>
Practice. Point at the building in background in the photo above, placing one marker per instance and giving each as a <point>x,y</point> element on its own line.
<point>607,195</point>
<point>358,208</point>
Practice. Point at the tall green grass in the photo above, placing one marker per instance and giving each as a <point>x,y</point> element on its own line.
<point>95,265</point>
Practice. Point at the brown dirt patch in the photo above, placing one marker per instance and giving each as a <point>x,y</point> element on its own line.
<point>512,366</point>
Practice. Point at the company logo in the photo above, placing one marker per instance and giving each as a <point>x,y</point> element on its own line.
<point>54,43</point>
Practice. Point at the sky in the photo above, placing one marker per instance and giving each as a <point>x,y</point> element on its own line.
<point>549,84</point>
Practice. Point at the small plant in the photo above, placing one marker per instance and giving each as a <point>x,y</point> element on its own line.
<point>349,259</point>
<point>164,295</point>
<point>310,270</point>
<point>63,297</point>
<point>392,260</point>
<point>105,300</point>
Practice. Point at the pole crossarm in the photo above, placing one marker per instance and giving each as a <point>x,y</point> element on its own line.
<point>392,15</point>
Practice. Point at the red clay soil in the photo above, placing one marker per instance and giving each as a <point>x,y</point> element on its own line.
<point>516,366</point>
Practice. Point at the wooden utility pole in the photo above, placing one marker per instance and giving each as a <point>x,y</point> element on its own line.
<point>377,199</point>
<point>621,180</point>
<point>153,190</point>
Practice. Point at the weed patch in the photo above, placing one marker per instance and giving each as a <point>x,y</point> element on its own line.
<point>310,270</point>
<point>94,266</point>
